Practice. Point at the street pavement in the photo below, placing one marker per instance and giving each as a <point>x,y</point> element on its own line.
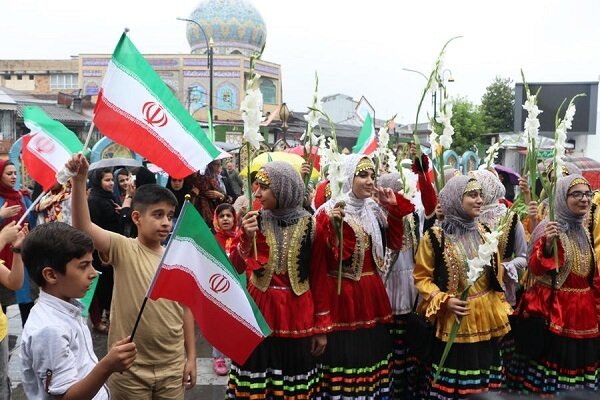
<point>208,385</point>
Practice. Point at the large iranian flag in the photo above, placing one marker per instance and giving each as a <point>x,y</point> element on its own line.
<point>367,140</point>
<point>196,272</point>
<point>138,110</point>
<point>47,147</point>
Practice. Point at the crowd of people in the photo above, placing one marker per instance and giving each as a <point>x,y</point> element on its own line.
<point>363,293</point>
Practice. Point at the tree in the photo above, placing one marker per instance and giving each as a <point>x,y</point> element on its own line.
<point>497,106</point>
<point>467,121</point>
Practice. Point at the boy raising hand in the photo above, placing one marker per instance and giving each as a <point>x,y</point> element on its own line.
<point>165,337</point>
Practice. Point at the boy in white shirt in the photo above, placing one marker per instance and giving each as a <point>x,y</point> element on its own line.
<point>57,354</point>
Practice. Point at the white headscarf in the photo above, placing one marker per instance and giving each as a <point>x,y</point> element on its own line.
<point>365,211</point>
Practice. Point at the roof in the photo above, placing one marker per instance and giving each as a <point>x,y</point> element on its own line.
<point>54,111</point>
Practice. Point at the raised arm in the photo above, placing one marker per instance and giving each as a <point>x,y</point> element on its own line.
<point>11,234</point>
<point>79,205</point>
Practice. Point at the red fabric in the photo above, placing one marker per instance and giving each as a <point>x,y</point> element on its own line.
<point>573,312</point>
<point>288,315</point>
<point>11,197</point>
<point>506,202</point>
<point>428,195</point>
<point>320,197</point>
<point>365,302</point>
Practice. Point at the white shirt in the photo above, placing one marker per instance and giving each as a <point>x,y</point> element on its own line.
<point>56,342</point>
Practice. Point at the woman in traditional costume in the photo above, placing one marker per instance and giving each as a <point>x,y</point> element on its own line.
<point>358,359</point>
<point>473,364</point>
<point>285,287</point>
<point>565,294</point>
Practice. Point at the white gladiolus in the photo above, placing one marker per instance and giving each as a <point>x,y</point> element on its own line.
<point>484,256</point>
<point>251,109</point>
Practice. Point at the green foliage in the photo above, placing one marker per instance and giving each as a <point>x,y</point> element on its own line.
<point>497,106</point>
<point>468,124</point>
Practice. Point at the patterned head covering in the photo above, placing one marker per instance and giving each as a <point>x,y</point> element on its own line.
<point>568,222</point>
<point>288,189</point>
<point>391,180</point>
<point>493,190</point>
<point>456,220</point>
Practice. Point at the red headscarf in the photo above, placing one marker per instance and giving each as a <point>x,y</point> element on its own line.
<point>225,238</point>
<point>11,197</point>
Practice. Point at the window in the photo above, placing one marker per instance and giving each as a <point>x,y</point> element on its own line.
<point>19,77</point>
<point>7,77</point>
<point>267,88</point>
<point>63,81</point>
<point>30,77</point>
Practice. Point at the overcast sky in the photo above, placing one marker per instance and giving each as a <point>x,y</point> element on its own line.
<point>357,47</point>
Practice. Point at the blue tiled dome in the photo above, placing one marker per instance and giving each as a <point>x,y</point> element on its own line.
<point>235,26</point>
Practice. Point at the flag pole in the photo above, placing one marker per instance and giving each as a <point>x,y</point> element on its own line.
<point>35,202</point>
<point>87,139</point>
<point>186,203</point>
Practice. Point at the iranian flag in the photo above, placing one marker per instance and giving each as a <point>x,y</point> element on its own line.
<point>47,147</point>
<point>196,272</point>
<point>138,110</point>
<point>367,141</point>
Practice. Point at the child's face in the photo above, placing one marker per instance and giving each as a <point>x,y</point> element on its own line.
<point>78,277</point>
<point>226,220</point>
<point>107,182</point>
<point>154,224</point>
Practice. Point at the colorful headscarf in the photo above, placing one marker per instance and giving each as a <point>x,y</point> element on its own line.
<point>288,189</point>
<point>456,220</point>
<point>492,210</point>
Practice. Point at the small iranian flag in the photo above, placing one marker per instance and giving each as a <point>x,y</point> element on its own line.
<point>138,110</point>
<point>367,141</point>
<point>47,147</point>
<point>196,272</point>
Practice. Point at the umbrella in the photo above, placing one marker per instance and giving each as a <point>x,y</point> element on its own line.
<point>115,162</point>
<point>263,158</point>
<point>313,156</point>
<point>513,177</point>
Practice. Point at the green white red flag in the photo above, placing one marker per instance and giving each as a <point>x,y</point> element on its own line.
<point>138,110</point>
<point>367,140</point>
<point>47,147</point>
<point>196,272</point>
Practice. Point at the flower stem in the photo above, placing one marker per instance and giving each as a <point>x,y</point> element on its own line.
<point>250,199</point>
<point>341,244</point>
<point>451,338</point>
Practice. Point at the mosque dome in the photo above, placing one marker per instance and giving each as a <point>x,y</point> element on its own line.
<point>235,26</point>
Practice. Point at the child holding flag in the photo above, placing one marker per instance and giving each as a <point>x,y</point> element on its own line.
<point>166,360</point>
<point>57,355</point>
<point>225,225</point>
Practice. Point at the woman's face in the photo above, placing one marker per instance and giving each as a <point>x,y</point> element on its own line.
<point>107,183</point>
<point>267,198</point>
<point>363,184</point>
<point>9,176</point>
<point>579,199</point>
<point>176,184</point>
<point>472,202</point>
<point>226,220</point>
<point>123,181</point>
